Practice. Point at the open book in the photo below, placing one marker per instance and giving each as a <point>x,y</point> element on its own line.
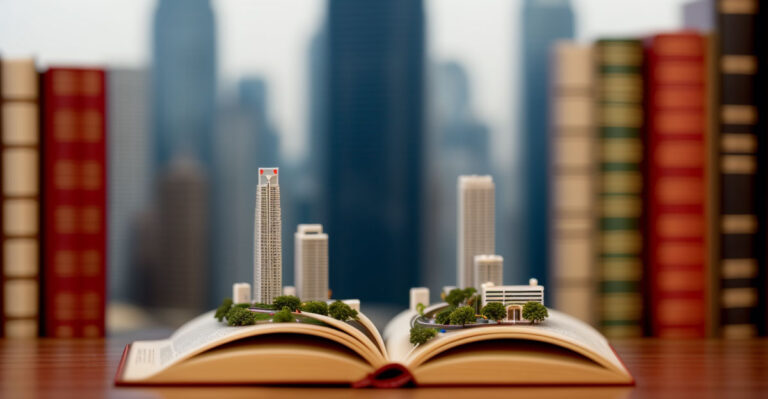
<point>560,350</point>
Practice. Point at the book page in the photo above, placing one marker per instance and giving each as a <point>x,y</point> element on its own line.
<point>559,329</point>
<point>204,332</point>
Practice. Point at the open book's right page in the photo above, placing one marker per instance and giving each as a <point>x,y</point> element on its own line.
<point>559,329</point>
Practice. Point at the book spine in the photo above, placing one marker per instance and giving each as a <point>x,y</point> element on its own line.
<point>677,184</point>
<point>92,229</point>
<point>572,184</point>
<point>739,263</point>
<point>619,103</point>
<point>61,200</point>
<point>20,197</point>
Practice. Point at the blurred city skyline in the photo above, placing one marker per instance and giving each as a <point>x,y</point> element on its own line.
<point>63,33</point>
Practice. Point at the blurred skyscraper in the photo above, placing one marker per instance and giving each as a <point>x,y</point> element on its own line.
<point>373,152</point>
<point>173,241</point>
<point>254,98</point>
<point>183,81</point>
<point>183,110</point>
<point>543,22</point>
<point>129,181</point>
<point>318,124</point>
<point>458,145</point>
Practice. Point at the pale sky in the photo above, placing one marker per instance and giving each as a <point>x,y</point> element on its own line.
<point>271,38</point>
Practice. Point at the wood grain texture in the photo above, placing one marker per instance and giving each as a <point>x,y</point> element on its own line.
<point>663,369</point>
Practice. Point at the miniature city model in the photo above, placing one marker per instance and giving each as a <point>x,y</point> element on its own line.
<point>275,303</point>
<point>478,269</point>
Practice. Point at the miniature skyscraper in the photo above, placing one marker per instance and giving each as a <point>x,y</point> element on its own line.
<point>311,262</point>
<point>488,268</point>
<point>476,224</point>
<point>268,259</point>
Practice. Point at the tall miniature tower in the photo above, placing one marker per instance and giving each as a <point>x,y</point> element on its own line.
<point>311,262</point>
<point>268,249</point>
<point>488,268</point>
<point>476,224</point>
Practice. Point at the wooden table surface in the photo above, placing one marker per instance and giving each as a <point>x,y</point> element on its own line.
<point>663,369</point>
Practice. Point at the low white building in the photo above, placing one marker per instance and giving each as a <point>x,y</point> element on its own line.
<point>513,297</point>
<point>241,293</point>
<point>419,295</point>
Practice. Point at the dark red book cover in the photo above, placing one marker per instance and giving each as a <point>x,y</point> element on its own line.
<point>74,202</point>
<point>677,224</point>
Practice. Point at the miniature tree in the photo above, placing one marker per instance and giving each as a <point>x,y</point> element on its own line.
<point>455,297</point>
<point>318,307</point>
<point>420,308</point>
<point>341,311</point>
<point>494,311</point>
<point>223,309</point>
<point>463,315</point>
<point>420,335</point>
<point>444,316</point>
<point>535,312</point>
<point>283,316</point>
<point>239,316</point>
<point>242,306</point>
<point>287,301</point>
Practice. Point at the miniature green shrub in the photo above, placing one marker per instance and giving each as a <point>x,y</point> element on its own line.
<point>341,311</point>
<point>463,315</point>
<point>240,316</point>
<point>283,316</point>
<point>444,316</point>
<point>318,307</point>
<point>455,297</point>
<point>420,308</point>
<point>535,312</point>
<point>287,301</point>
<point>223,309</point>
<point>494,311</point>
<point>236,306</point>
<point>420,335</point>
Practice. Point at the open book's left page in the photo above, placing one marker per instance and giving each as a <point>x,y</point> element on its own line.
<point>149,358</point>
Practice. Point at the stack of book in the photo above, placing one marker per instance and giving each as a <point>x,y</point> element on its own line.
<point>53,194</point>
<point>678,202</point>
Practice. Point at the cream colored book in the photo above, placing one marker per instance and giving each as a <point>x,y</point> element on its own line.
<point>322,350</point>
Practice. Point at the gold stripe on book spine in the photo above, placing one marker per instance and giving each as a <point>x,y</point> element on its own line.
<point>745,297</point>
<point>738,6</point>
<point>739,224</point>
<point>738,114</point>
<point>738,164</point>
<point>735,142</point>
<point>739,268</point>
<point>738,64</point>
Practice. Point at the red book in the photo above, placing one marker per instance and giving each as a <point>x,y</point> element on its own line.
<point>677,184</point>
<point>74,197</point>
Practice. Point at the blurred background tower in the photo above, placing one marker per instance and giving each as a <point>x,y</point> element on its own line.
<point>268,250</point>
<point>311,265</point>
<point>488,268</point>
<point>542,22</point>
<point>183,81</point>
<point>175,261</point>
<point>373,152</point>
<point>458,145</point>
<point>129,179</point>
<point>476,224</point>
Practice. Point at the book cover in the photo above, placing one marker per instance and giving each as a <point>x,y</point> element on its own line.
<point>739,261</point>
<point>677,184</point>
<point>619,102</point>
<point>74,202</point>
<point>20,197</point>
<point>573,177</point>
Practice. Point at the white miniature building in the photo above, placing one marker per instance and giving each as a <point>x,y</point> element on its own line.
<point>488,269</point>
<point>513,297</point>
<point>289,290</point>
<point>476,234</point>
<point>268,257</point>
<point>419,295</point>
<point>241,293</point>
<point>311,262</point>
